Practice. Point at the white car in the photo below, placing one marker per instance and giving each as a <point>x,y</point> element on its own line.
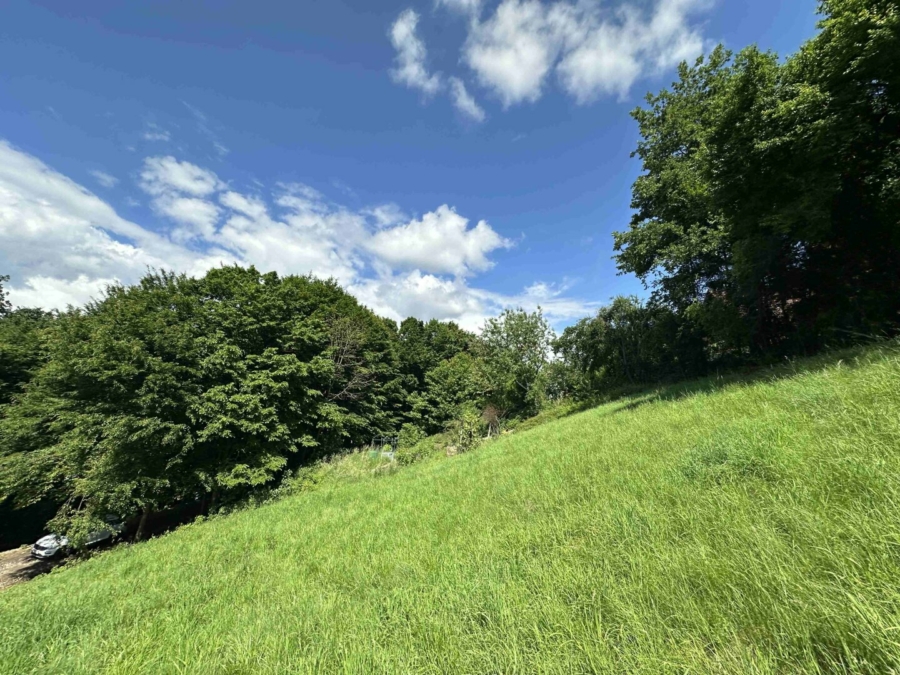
<point>51,545</point>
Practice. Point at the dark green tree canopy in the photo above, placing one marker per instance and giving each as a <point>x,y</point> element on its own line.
<point>768,206</point>
<point>179,387</point>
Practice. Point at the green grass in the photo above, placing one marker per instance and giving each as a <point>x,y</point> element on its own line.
<point>741,528</point>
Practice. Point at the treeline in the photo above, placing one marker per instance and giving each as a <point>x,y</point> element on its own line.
<point>182,390</point>
<point>767,217</point>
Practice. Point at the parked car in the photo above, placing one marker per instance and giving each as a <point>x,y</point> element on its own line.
<point>52,545</point>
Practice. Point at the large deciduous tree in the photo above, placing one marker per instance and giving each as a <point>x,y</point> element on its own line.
<point>179,388</point>
<point>768,207</point>
<point>516,348</point>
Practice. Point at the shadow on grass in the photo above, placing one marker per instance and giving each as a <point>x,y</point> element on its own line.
<point>638,395</point>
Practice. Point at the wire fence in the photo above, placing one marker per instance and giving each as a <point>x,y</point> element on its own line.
<point>384,446</point>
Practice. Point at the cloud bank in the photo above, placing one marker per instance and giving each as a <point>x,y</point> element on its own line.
<point>63,245</point>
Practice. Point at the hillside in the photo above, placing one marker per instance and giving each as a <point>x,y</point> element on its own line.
<point>752,527</point>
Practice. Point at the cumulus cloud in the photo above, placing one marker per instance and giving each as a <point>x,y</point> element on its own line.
<point>63,245</point>
<point>180,192</point>
<point>386,215</point>
<point>425,296</point>
<point>513,50</point>
<point>61,242</point>
<point>589,48</point>
<point>612,55</point>
<point>198,217</point>
<point>105,179</point>
<point>44,291</point>
<point>410,67</point>
<point>440,242</point>
<point>593,52</point>
<point>464,101</point>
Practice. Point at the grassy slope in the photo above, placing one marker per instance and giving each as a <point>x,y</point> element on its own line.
<point>751,529</point>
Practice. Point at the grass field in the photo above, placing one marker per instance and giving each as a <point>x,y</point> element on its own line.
<point>740,528</point>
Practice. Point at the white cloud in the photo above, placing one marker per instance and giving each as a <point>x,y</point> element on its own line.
<point>440,242</point>
<point>197,216</point>
<point>427,296</point>
<point>592,49</point>
<point>105,179</point>
<point>513,50</point>
<point>163,175</point>
<point>60,241</point>
<point>310,236</point>
<point>424,296</point>
<point>155,133</point>
<point>180,192</point>
<point>248,206</point>
<point>63,245</point>
<point>467,7</point>
<point>464,101</point>
<point>410,69</point>
<point>613,55</point>
<point>386,215</point>
<point>43,291</point>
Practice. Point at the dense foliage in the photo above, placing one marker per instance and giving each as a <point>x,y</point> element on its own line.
<point>182,390</point>
<point>767,219</point>
<point>629,342</point>
<point>768,209</point>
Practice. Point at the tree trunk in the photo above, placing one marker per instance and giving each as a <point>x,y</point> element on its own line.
<point>214,500</point>
<point>142,525</point>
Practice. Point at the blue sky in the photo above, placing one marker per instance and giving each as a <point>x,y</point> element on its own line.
<point>440,158</point>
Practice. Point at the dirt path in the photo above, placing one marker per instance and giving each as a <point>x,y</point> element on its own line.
<point>17,566</point>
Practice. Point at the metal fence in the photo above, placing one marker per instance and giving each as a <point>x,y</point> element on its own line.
<point>379,445</point>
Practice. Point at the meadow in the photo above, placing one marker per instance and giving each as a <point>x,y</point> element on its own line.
<point>744,526</point>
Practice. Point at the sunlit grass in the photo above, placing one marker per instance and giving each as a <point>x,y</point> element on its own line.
<point>752,528</point>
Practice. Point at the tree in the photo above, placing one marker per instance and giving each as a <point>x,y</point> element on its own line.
<point>21,350</point>
<point>449,387</point>
<point>5,305</point>
<point>424,346</point>
<point>629,342</point>
<point>768,207</point>
<point>180,389</point>
<point>516,348</point>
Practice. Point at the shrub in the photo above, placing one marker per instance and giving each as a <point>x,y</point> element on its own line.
<point>410,435</point>
<point>467,430</point>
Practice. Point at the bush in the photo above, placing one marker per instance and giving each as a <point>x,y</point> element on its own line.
<point>410,435</point>
<point>466,431</point>
<point>424,449</point>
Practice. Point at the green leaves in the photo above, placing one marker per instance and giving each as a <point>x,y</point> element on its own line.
<point>175,388</point>
<point>516,351</point>
<point>773,187</point>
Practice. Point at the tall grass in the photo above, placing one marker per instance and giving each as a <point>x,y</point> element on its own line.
<point>750,528</point>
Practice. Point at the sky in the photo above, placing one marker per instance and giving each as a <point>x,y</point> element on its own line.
<point>439,158</point>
